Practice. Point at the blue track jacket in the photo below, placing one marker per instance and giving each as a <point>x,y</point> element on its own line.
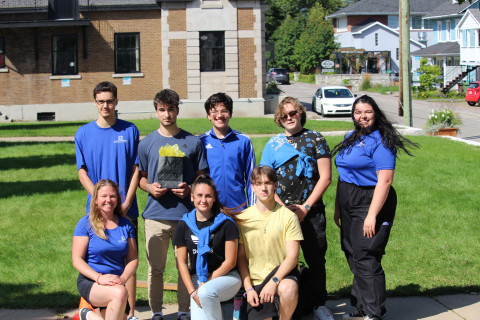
<point>230,160</point>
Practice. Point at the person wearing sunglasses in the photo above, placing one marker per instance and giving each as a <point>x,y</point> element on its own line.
<point>302,161</point>
<point>106,148</point>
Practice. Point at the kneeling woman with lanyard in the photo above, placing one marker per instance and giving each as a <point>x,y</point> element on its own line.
<point>209,238</point>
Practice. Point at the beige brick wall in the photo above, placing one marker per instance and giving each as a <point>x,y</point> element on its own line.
<point>245,18</point>
<point>177,19</point>
<point>27,81</point>
<point>178,66</point>
<point>246,66</point>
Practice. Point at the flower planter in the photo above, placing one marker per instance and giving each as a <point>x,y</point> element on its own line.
<point>452,132</point>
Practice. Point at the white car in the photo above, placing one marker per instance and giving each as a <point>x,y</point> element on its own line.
<point>333,100</point>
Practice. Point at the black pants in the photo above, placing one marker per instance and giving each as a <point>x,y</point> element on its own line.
<point>364,255</point>
<point>314,247</point>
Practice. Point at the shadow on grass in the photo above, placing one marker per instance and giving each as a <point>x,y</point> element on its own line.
<point>35,162</point>
<point>20,296</point>
<point>414,289</point>
<point>36,125</point>
<point>9,189</point>
<point>6,144</point>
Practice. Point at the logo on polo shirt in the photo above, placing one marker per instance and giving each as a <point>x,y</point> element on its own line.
<point>120,140</point>
<point>208,146</point>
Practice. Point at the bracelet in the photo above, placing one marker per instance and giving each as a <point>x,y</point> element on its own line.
<point>193,294</point>
<point>147,188</point>
<point>99,275</point>
<point>245,294</point>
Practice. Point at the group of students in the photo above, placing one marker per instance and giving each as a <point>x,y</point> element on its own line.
<point>233,224</point>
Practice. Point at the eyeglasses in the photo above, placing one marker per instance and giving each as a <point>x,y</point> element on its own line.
<point>222,112</point>
<point>291,114</point>
<point>108,102</point>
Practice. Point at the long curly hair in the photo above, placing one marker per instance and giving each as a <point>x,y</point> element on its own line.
<point>95,216</point>
<point>391,138</point>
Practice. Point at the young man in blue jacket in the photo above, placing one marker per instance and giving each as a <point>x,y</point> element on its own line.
<point>230,154</point>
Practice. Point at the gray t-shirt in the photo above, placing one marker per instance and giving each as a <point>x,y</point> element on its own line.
<point>169,206</point>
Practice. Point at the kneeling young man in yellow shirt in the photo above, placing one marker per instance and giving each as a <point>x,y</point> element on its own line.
<point>269,245</point>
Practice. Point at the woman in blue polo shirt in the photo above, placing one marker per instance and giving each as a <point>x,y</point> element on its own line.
<point>105,253</point>
<point>366,202</point>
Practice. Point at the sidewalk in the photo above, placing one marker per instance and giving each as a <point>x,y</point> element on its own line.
<point>448,307</point>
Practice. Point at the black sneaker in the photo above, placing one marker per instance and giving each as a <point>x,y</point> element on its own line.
<point>357,315</point>
<point>157,317</point>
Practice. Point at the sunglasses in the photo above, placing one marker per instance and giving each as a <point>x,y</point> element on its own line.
<point>291,114</point>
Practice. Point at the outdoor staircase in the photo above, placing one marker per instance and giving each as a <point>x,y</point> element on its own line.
<point>457,79</point>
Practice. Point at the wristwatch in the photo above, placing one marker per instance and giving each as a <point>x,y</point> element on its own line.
<point>307,207</point>
<point>275,280</point>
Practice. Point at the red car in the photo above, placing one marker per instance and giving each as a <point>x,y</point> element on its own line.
<point>473,93</point>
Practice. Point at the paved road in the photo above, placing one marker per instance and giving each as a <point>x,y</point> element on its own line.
<point>470,129</point>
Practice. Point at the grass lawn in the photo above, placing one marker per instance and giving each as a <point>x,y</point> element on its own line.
<point>195,126</point>
<point>433,247</point>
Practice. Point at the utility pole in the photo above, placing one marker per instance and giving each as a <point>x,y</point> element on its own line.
<point>405,56</point>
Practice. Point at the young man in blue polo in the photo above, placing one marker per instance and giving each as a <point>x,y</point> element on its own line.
<point>230,154</point>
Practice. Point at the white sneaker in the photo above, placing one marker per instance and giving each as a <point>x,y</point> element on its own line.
<point>357,315</point>
<point>322,313</point>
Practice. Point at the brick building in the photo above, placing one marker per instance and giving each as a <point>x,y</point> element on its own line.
<point>53,52</point>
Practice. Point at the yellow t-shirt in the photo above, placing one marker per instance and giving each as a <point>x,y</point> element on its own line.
<point>264,236</point>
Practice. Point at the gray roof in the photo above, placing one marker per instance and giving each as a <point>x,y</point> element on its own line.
<point>439,49</point>
<point>383,7</point>
<point>40,4</point>
<point>447,8</point>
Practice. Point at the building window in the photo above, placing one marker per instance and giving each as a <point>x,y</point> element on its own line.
<point>2,52</point>
<point>64,55</point>
<point>376,39</point>
<point>464,38</point>
<point>472,38</point>
<point>398,54</point>
<point>416,22</point>
<point>212,51</point>
<point>427,24</point>
<point>127,52</point>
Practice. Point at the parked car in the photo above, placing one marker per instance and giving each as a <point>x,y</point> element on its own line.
<point>473,93</point>
<point>280,75</point>
<point>332,100</point>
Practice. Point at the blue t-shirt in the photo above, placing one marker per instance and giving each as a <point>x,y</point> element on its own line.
<point>359,165</point>
<point>106,256</point>
<point>169,206</point>
<point>109,153</point>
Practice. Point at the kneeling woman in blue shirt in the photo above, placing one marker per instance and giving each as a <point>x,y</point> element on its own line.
<point>105,253</point>
<point>210,239</point>
<point>366,202</point>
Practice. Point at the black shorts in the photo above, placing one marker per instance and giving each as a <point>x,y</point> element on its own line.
<point>268,309</point>
<point>84,286</point>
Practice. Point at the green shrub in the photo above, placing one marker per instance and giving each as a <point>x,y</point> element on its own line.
<point>366,83</point>
<point>272,88</point>
<point>307,78</point>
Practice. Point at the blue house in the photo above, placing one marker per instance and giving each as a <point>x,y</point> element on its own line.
<point>444,49</point>
<point>368,34</point>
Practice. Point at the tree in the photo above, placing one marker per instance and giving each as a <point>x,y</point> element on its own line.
<point>316,42</point>
<point>280,9</point>
<point>285,38</point>
<point>428,75</point>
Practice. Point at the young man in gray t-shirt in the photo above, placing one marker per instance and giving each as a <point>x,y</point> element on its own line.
<point>165,206</point>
